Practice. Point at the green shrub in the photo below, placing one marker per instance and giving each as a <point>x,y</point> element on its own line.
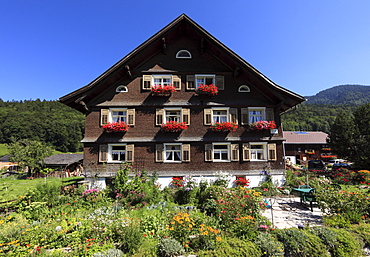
<point>349,244</point>
<point>269,245</point>
<point>169,247</point>
<point>362,230</point>
<point>233,247</point>
<point>298,242</point>
<point>336,221</point>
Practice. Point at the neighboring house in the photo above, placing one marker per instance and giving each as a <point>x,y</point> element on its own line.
<point>5,163</point>
<point>302,146</point>
<point>185,56</point>
<point>68,164</point>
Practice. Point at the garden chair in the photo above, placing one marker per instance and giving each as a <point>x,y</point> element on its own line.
<point>304,186</point>
<point>310,197</point>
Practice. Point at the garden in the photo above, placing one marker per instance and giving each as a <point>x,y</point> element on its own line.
<point>134,216</point>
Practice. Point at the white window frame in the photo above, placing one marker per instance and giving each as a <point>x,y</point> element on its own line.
<point>253,152</point>
<point>166,113</point>
<point>162,77</point>
<point>111,110</point>
<point>254,109</point>
<point>111,151</point>
<point>121,89</point>
<point>204,77</point>
<point>220,109</point>
<point>178,54</point>
<point>165,151</point>
<point>228,159</point>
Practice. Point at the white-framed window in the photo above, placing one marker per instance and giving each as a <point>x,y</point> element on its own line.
<point>222,152</point>
<point>126,115</point>
<point>258,151</point>
<point>116,153</point>
<point>121,89</point>
<point>220,114</point>
<point>244,89</point>
<point>204,80</point>
<point>183,54</point>
<point>150,81</point>
<point>256,114</point>
<point>164,115</point>
<point>172,153</point>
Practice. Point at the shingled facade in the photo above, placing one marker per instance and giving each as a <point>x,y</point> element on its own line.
<point>185,56</point>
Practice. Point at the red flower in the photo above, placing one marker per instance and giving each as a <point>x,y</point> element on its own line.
<point>262,125</point>
<point>161,89</point>
<point>178,181</point>
<point>116,127</point>
<point>174,126</point>
<point>207,89</point>
<point>224,126</point>
<point>241,181</point>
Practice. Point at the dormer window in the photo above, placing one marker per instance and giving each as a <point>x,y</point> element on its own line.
<point>183,54</point>
<point>121,89</point>
<point>244,89</point>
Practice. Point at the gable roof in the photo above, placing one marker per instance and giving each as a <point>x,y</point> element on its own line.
<point>305,137</point>
<point>79,98</point>
<point>63,159</point>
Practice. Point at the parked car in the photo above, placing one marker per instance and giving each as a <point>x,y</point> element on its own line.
<point>338,166</point>
<point>316,166</point>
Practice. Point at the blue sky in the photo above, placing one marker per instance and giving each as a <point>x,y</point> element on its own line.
<point>50,48</point>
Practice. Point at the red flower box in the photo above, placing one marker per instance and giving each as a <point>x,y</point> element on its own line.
<point>162,90</point>
<point>224,126</point>
<point>207,89</point>
<point>174,126</point>
<point>177,181</point>
<point>116,127</point>
<point>262,125</point>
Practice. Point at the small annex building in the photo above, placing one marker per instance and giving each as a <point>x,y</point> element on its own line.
<point>182,74</point>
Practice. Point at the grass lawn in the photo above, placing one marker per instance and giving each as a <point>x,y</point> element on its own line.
<point>11,188</point>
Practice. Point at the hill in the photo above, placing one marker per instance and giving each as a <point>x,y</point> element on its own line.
<point>342,95</point>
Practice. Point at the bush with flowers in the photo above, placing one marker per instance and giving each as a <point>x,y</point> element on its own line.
<point>224,126</point>
<point>162,89</point>
<point>207,89</point>
<point>242,181</point>
<point>262,125</point>
<point>173,126</point>
<point>116,127</point>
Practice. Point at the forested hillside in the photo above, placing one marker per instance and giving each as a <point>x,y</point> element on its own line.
<point>47,121</point>
<point>320,110</point>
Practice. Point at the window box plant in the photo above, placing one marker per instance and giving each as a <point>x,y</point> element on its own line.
<point>262,125</point>
<point>116,127</point>
<point>161,90</point>
<point>174,126</point>
<point>207,90</point>
<point>242,181</point>
<point>224,126</point>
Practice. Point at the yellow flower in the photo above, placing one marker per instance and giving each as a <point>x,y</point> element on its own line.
<point>218,239</point>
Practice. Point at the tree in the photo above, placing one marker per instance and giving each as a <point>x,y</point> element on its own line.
<point>349,136</point>
<point>29,154</point>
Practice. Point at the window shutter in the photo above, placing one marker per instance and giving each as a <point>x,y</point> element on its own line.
<point>130,153</point>
<point>234,152</point>
<point>245,116</point>
<point>186,115</point>
<point>272,152</point>
<point>159,113</point>
<point>208,116</point>
<point>147,80</point>
<point>270,114</point>
<point>190,82</point>
<point>234,115</point>
<point>103,153</point>
<point>131,117</point>
<point>104,114</point>
<point>246,152</point>
<point>220,82</point>
<point>159,152</point>
<point>176,80</point>
<point>208,153</point>
<point>186,152</point>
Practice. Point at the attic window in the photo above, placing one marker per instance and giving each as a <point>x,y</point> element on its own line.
<point>121,88</point>
<point>244,89</point>
<point>183,54</point>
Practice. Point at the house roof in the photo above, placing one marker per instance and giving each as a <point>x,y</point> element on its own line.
<point>5,158</point>
<point>63,159</point>
<point>305,137</point>
<point>80,98</point>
